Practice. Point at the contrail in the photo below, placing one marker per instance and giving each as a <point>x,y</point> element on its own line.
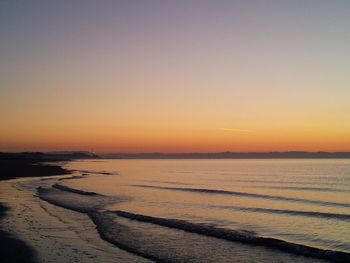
<point>234,130</point>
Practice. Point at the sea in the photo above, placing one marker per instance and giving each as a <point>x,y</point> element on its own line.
<point>214,210</point>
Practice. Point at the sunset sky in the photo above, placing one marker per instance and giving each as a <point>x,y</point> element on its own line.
<point>175,76</point>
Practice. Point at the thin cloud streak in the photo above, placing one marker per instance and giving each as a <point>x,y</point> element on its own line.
<point>234,130</point>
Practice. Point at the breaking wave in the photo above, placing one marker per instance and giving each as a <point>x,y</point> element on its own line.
<point>72,190</point>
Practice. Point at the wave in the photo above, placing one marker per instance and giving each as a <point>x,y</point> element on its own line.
<point>166,182</point>
<point>244,194</point>
<point>96,172</point>
<point>104,221</point>
<point>281,182</point>
<point>288,212</point>
<point>73,177</point>
<point>74,200</point>
<point>318,189</point>
<point>73,190</point>
<point>92,204</point>
<point>241,236</point>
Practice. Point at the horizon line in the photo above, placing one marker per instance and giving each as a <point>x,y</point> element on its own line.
<point>174,153</point>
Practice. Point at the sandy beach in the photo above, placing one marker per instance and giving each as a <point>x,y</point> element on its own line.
<point>53,234</point>
<point>13,249</point>
<point>33,231</point>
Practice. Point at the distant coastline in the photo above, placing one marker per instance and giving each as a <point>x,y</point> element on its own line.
<point>77,155</point>
<point>231,155</point>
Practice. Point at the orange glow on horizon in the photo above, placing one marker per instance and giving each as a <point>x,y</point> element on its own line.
<point>175,77</point>
<point>176,141</point>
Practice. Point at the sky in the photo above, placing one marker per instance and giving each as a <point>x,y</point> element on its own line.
<point>175,76</point>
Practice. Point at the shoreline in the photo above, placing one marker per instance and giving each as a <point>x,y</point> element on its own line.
<point>13,249</point>
<point>47,233</point>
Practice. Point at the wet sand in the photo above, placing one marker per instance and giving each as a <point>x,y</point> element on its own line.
<point>54,234</point>
<point>34,231</point>
<point>13,249</point>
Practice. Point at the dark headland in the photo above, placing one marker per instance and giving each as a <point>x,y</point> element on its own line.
<point>36,164</point>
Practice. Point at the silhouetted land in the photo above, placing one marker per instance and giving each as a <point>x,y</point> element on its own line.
<point>230,155</point>
<point>36,164</point>
<point>47,156</point>
<point>11,169</point>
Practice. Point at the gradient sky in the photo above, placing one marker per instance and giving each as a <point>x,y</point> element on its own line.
<point>175,76</point>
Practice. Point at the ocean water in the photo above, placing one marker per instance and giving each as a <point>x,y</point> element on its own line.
<point>291,210</point>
